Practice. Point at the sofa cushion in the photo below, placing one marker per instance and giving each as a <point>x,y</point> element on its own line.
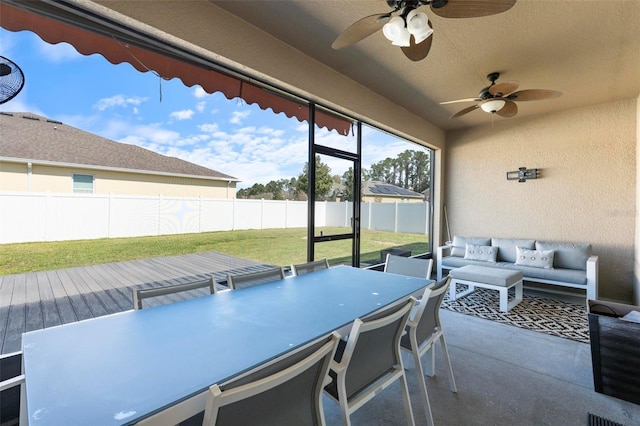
<point>484,253</point>
<point>534,258</point>
<point>567,255</point>
<point>460,244</point>
<point>572,276</point>
<point>507,247</point>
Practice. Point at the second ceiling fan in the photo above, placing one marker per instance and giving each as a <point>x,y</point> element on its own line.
<point>409,27</point>
<point>501,98</point>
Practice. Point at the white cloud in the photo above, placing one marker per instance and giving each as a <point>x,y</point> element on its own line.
<point>20,103</point>
<point>56,52</point>
<point>209,127</point>
<point>238,116</point>
<point>118,101</point>
<point>185,114</point>
<point>199,92</point>
<point>200,106</point>
<point>252,154</point>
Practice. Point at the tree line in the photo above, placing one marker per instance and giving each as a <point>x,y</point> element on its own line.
<point>410,170</point>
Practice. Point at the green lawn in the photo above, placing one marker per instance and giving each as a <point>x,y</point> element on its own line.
<point>274,246</point>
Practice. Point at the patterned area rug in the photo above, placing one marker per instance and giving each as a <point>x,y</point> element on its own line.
<point>544,315</point>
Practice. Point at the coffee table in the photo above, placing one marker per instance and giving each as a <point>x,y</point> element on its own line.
<point>487,277</point>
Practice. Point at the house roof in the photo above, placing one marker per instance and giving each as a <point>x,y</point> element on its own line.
<point>382,189</point>
<point>30,137</point>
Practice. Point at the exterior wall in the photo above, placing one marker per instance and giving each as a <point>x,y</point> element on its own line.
<point>586,193</point>
<point>43,178</point>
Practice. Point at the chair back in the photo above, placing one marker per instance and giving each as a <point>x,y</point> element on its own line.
<point>11,383</point>
<point>373,347</point>
<point>253,278</point>
<point>305,268</point>
<point>427,317</point>
<point>410,266</point>
<point>286,391</point>
<point>140,294</point>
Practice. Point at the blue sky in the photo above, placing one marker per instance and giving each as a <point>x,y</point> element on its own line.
<point>124,105</point>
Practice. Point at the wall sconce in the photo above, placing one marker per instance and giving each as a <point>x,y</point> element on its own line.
<point>523,174</point>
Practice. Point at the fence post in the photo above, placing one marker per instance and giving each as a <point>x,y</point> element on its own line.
<point>286,213</point>
<point>395,219</point>
<point>47,220</point>
<point>109,214</point>
<point>199,213</point>
<point>233,214</point>
<point>158,214</point>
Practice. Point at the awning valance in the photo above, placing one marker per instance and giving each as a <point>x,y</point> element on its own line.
<point>55,25</point>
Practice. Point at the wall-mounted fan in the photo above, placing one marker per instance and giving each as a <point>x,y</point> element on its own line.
<point>11,79</point>
<point>501,98</point>
<point>409,27</point>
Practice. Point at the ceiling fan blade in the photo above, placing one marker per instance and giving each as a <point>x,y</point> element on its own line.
<point>360,30</point>
<point>503,89</point>
<point>533,95</point>
<point>464,111</point>
<point>508,110</point>
<point>417,52</point>
<point>472,8</point>
<point>461,100</point>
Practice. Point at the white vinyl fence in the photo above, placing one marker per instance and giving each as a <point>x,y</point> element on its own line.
<point>31,217</point>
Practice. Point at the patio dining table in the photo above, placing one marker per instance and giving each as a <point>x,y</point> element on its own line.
<point>121,368</point>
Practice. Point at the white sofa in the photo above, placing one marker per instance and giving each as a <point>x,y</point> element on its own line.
<point>548,262</point>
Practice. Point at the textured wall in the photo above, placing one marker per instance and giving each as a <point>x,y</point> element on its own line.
<point>636,292</point>
<point>587,192</point>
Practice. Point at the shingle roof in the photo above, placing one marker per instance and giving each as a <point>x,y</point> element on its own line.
<point>375,188</point>
<point>35,138</point>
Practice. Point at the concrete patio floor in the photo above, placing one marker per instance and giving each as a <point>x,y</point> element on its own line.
<point>505,376</point>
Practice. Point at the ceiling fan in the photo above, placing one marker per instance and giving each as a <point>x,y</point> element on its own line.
<point>11,79</point>
<point>409,27</point>
<point>501,98</point>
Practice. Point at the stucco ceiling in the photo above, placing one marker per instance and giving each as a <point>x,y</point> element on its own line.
<point>589,50</point>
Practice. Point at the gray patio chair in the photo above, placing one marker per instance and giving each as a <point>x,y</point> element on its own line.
<point>253,278</point>
<point>140,294</point>
<point>305,268</point>
<point>409,266</point>
<point>285,391</point>
<point>11,389</point>
<point>370,360</point>
<point>423,330</point>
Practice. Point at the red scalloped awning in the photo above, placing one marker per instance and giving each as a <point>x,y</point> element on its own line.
<point>87,42</point>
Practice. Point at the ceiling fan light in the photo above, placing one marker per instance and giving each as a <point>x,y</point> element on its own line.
<point>395,31</point>
<point>493,105</point>
<point>418,26</point>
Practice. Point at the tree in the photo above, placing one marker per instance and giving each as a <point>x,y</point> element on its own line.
<point>348,182</point>
<point>410,170</point>
<point>275,188</point>
<point>324,182</point>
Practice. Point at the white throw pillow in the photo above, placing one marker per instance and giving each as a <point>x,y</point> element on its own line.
<point>535,258</point>
<point>484,253</point>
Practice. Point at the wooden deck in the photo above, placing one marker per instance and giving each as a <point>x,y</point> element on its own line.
<point>46,299</point>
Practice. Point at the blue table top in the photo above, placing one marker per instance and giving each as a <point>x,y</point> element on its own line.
<point>123,367</point>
